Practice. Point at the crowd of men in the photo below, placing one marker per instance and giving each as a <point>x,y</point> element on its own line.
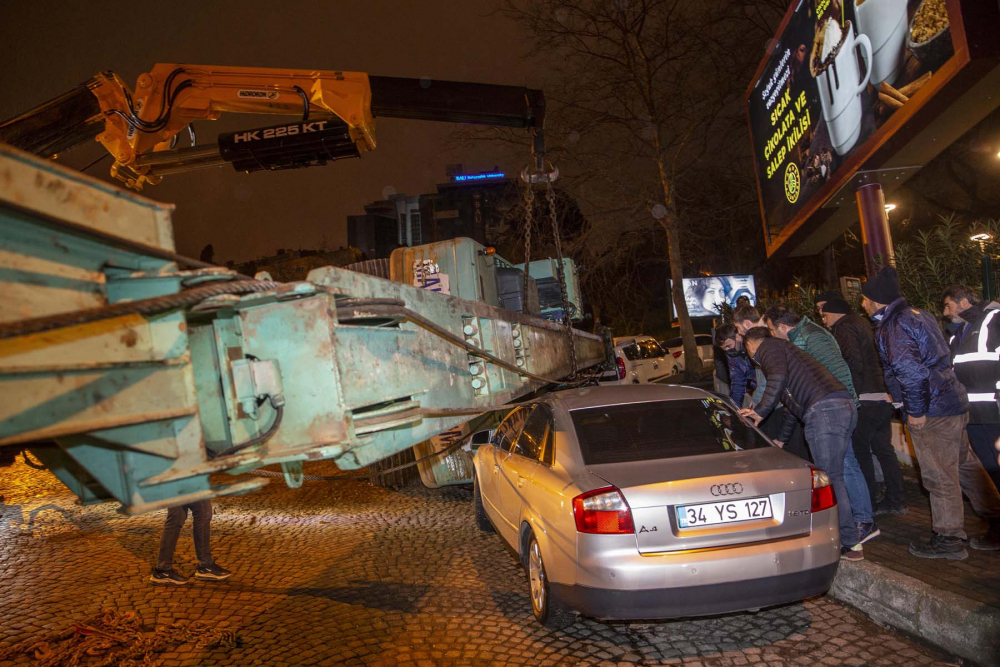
<point>829,394</point>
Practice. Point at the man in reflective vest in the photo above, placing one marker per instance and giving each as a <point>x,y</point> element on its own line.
<point>975,353</point>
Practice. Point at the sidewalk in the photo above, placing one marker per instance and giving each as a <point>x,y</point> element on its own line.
<point>952,604</point>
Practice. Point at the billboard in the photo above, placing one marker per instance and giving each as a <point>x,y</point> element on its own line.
<point>841,77</point>
<point>704,294</point>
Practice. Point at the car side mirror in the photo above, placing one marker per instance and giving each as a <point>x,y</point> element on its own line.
<point>480,438</point>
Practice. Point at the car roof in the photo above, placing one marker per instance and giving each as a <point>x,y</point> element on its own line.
<point>590,397</point>
<point>621,340</point>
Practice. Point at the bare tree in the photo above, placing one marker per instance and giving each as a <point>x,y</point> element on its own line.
<point>645,119</point>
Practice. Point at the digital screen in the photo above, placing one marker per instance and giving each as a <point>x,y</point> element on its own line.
<point>704,294</point>
<point>838,71</point>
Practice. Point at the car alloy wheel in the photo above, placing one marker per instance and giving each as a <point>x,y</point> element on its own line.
<point>536,576</point>
<point>550,613</point>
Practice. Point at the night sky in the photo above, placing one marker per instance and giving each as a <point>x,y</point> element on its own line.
<point>50,47</point>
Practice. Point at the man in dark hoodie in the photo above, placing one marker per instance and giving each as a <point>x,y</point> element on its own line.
<point>873,434</point>
<point>742,374</point>
<point>914,355</point>
<point>975,353</point>
<point>812,394</point>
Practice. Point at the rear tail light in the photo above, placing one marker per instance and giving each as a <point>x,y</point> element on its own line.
<point>677,353</point>
<point>603,511</point>
<point>621,368</point>
<point>822,495</point>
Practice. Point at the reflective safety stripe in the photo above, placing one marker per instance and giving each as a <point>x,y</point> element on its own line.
<point>983,328</point>
<point>976,356</point>
<point>982,398</point>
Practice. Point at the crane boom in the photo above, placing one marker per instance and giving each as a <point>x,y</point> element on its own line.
<point>140,128</point>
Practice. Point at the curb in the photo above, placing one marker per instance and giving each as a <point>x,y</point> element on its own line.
<point>951,622</point>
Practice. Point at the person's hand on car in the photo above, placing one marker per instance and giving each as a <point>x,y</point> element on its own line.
<point>751,414</point>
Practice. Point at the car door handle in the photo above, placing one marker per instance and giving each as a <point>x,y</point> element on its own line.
<point>520,482</point>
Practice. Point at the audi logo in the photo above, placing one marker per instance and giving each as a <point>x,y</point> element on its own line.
<point>733,489</point>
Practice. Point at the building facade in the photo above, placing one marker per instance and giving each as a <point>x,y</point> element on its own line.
<point>474,205</point>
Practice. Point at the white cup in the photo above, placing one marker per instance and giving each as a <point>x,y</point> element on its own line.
<point>840,92</point>
<point>884,22</point>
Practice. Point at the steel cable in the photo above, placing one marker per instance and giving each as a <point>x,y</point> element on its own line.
<point>151,306</point>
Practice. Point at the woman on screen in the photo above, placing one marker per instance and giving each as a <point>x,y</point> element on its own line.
<point>704,295</point>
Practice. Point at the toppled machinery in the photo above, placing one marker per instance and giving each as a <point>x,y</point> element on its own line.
<point>150,376</point>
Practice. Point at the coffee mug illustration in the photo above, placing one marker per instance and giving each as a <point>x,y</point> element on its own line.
<point>834,65</point>
<point>884,23</point>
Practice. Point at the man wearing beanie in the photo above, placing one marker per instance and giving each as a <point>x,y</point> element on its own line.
<point>914,354</point>
<point>823,297</point>
<point>873,434</point>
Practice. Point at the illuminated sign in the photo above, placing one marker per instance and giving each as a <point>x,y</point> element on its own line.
<point>704,294</point>
<point>840,79</point>
<point>476,177</point>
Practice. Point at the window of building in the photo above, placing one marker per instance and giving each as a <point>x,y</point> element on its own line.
<point>415,227</point>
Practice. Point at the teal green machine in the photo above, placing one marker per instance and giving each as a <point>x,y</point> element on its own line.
<point>151,372</point>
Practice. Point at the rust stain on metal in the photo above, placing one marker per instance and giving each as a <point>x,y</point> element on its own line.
<point>130,338</point>
<point>234,353</point>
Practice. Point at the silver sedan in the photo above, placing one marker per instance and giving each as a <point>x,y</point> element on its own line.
<point>652,501</point>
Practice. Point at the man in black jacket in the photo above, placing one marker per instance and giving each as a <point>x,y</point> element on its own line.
<point>874,431</point>
<point>975,353</point>
<point>811,394</point>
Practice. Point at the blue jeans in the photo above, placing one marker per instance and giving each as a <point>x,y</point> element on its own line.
<point>829,424</point>
<point>857,488</point>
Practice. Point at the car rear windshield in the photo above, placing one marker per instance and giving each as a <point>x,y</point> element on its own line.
<point>661,430</point>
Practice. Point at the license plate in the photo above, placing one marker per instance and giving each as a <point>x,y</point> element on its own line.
<point>730,511</point>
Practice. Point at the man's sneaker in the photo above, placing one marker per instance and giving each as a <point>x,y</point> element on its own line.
<point>939,546</point>
<point>884,509</point>
<point>990,541</point>
<point>212,572</point>
<point>867,531</point>
<point>854,553</point>
<point>167,577</point>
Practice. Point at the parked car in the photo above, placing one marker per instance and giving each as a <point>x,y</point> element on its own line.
<point>675,349</point>
<point>651,502</point>
<point>638,360</point>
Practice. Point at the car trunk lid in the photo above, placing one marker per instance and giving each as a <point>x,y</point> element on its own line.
<point>730,494</point>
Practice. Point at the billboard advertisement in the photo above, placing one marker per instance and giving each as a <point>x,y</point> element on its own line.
<point>704,294</point>
<point>839,70</point>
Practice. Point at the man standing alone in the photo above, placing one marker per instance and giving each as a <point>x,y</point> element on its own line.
<point>208,569</point>
<point>915,355</point>
<point>874,432</point>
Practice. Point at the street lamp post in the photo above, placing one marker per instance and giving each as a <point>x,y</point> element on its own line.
<point>985,263</point>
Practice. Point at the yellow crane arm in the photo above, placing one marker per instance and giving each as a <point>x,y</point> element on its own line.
<point>171,96</point>
<point>140,128</point>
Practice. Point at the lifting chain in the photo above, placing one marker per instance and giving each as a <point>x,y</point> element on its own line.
<point>550,195</point>
<point>542,171</point>
<point>529,215</point>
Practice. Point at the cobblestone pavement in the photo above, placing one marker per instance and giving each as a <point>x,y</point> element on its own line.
<point>343,573</point>
<point>977,578</point>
